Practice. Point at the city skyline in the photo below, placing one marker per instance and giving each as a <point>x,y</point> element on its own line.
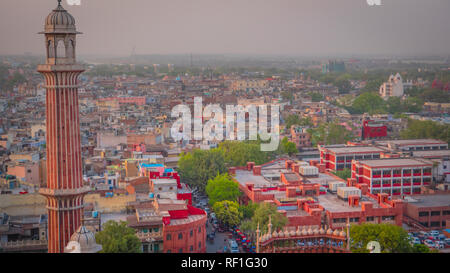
<point>285,27</point>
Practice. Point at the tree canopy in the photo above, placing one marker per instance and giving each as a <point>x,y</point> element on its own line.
<point>288,147</point>
<point>392,238</point>
<point>118,238</point>
<point>417,129</point>
<point>222,188</point>
<point>330,133</point>
<point>344,174</point>
<point>198,166</point>
<point>227,212</point>
<point>261,216</point>
<point>238,153</point>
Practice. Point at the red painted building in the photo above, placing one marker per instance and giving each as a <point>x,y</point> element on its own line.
<point>339,157</point>
<point>371,130</point>
<point>307,201</point>
<point>393,176</point>
<point>64,191</point>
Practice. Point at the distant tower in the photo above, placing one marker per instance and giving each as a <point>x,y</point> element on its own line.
<point>64,191</point>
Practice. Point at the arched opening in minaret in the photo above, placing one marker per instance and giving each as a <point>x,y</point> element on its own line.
<point>50,49</point>
<point>61,50</point>
<point>70,50</point>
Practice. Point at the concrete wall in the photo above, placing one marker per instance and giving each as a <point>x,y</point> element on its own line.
<point>35,204</point>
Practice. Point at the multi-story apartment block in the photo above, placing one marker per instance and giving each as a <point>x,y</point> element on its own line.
<point>393,176</point>
<point>339,157</point>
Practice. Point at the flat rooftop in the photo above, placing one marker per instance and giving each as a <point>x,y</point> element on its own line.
<point>433,200</point>
<point>322,179</point>
<point>397,162</point>
<point>406,142</point>
<point>164,181</point>
<point>432,153</point>
<point>355,149</point>
<point>332,203</point>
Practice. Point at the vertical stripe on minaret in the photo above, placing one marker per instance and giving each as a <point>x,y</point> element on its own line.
<point>65,190</point>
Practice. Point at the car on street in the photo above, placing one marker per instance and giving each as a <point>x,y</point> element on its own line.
<point>232,246</point>
<point>429,243</point>
<point>415,241</point>
<point>434,233</point>
<point>447,242</point>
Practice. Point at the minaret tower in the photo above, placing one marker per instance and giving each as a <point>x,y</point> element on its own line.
<point>64,191</point>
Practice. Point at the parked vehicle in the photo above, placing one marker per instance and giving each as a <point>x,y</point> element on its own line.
<point>211,237</point>
<point>415,241</point>
<point>232,246</point>
<point>434,233</point>
<point>440,244</point>
<point>429,243</point>
<point>442,237</point>
<point>447,242</point>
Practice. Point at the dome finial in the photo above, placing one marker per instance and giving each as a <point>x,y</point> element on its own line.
<point>59,2</point>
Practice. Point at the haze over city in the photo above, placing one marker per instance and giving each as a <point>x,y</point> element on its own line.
<point>285,27</point>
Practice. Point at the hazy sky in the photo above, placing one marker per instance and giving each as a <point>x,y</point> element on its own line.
<point>300,27</point>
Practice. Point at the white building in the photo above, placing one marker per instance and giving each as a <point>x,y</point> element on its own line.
<point>393,87</point>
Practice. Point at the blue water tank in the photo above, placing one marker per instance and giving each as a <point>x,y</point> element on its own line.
<point>94,214</point>
<point>151,195</point>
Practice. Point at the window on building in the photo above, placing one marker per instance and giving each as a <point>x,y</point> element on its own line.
<point>423,213</point>
<point>376,155</point>
<point>354,220</point>
<point>168,237</point>
<point>388,218</point>
<point>370,218</point>
<point>435,213</point>
<point>145,248</point>
<point>191,248</point>
<point>199,229</point>
<point>435,224</point>
<point>446,212</point>
<point>397,171</point>
<point>168,251</point>
<point>386,172</point>
<point>425,224</point>
<point>180,250</point>
<point>180,236</point>
<point>191,233</point>
<point>199,245</point>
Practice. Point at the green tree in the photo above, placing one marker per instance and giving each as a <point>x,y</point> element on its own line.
<point>288,147</point>
<point>118,238</point>
<point>238,153</point>
<point>261,216</point>
<point>392,238</point>
<point>227,212</point>
<point>344,174</point>
<point>420,248</point>
<point>316,97</point>
<point>426,129</point>
<point>344,86</point>
<point>394,105</point>
<point>248,210</point>
<point>368,102</point>
<point>197,167</point>
<point>222,188</point>
<point>435,95</point>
